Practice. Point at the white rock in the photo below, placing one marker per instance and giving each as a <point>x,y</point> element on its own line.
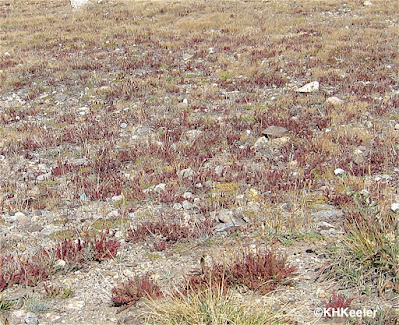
<point>160,187</point>
<point>309,87</point>
<point>395,207</point>
<point>177,206</point>
<point>367,3</point>
<point>188,195</point>
<point>187,205</point>
<point>339,171</point>
<point>335,101</point>
<point>117,198</point>
<point>187,57</point>
<point>43,177</point>
<point>113,214</point>
<point>76,4</point>
<point>396,126</point>
<point>59,264</point>
<point>123,125</point>
<point>31,318</point>
<point>187,172</point>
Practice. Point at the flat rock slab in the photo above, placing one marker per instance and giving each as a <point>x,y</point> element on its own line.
<point>275,132</point>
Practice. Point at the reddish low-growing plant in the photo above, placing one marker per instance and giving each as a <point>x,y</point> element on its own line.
<point>336,303</point>
<point>170,232</point>
<point>129,292</point>
<point>262,272</point>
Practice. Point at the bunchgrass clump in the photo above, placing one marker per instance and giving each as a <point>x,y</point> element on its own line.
<point>216,306</point>
<point>369,251</point>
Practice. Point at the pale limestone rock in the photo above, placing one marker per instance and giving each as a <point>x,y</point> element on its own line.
<point>309,87</point>
<point>76,4</point>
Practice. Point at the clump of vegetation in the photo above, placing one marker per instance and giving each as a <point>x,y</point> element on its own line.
<point>168,232</point>
<point>368,255</point>
<point>213,306</point>
<point>33,269</point>
<point>127,293</point>
<point>336,303</point>
<point>261,271</point>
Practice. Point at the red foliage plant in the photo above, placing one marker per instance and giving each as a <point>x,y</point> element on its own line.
<point>129,292</point>
<point>262,272</point>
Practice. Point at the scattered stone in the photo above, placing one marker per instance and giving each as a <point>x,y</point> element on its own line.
<point>275,132</point>
<point>123,125</point>
<point>113,214</point>
<point>193,134</point>
<point>309,87</point>
<point>22,219</point>
<point>339,171</point>
<point>187,57</point>
<point>225,216</point>
<point>224,227</point>
<point>188,195</point>
<point>367,3</point>
<point>117,198</point>
<point>261,144</point>
<point>395,207</point>
<point>160,187</point>
<point>184,173</point>
<point>328,214</point>
<point>31,318</point>
<point>177,206</point>
<point>334,101</point>
<point>43,177</point>
<point>59,264</point>
<point>187,205</point>
<point>76,4</point>
<point>219,170</point>
<point>60,98</point>
<point>396,126</point>
<point>325,225</point>
<point>34,193</point>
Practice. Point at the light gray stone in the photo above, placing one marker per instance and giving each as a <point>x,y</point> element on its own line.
<point>309,87</point>
<point>275,132</point>
<point>31,318</point>
<point>76,4</point>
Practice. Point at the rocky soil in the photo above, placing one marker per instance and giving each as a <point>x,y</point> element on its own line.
<point>213,115</point>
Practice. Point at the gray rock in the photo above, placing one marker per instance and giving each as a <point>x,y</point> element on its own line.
<point>225,216</point>
<point>113,214</point>
<point>160,187</point>
<point>275,132</point>
<point>31,318</point>
<point>117,198</point>
<point>184,173</point>
<point>324,225</point>
<point>309,87</point>
<point>60,98</point>
<point>188,195</point>
<point>224,227</point>
<point>43,177</point>
<point>22,219</point>
<point>177,206</point>
<point>76,4</point>
<point>334,101</point>
<point>219,170</point>
<point>328,214</point>
<point>187,205</point>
